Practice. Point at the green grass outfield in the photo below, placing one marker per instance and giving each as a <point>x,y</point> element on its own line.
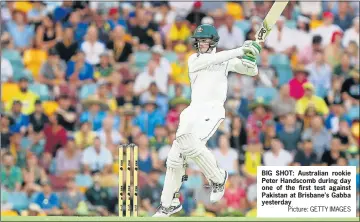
<point>101,219</point>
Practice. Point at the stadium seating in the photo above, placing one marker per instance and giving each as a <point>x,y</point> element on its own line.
<point>141,59</point>
<point>87,90</point>
<point>19,200</point>
<point>41,90</point>
<point>267,93</point>
<point>244,25</point>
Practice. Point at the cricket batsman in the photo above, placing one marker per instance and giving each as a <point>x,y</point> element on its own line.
<point>208,72</point>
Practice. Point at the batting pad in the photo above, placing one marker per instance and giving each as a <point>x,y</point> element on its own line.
<point>193,148</point>
<point>175,170</point>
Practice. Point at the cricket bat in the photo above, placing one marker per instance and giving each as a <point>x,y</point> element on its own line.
<point>272,16</point>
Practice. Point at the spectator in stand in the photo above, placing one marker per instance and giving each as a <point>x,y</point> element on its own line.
<point>334,51</point>
<point>48,200</point>
<point>267,133</point>
<point>345,135</point>
<point>352,33</point>
<point>48,33</point>
<point>104,70</point>
<point>33,175</point>
<point>21,121</point>
<point>79,27</point>
<point>146,31</point>
<point>268,76</point>
<point>251,196</point>
<point>252,159</point>
<point>6,70</point>
<point>128,100</point>
<point>84,137</point>
<point>96,158</point>
<point>52,72</point>
<point>310,100</point>
<point>96,113</point>
<point>149,118</point>
<point>280,38</point>
<point>350,88</point>
<point>336,115</point>
<point>160,98</point>
<point>256,121</point>
<point>79,72</point>
<point>5,123</point>
<point>11,176</point>
<point>25,96</point>
<point>177,105</point>
<point>290,135</point>
<point>68,159</point>
<point>235,194</point>
<point>70,198</point>
<point>343,69</point>
<point>330,157</point>
<point>179,68</point>
<point>296,84</point>
<point>151,74</point>
<point>283,104</point>
<point>37,13</point>
<point>66,113</point>
<point>179,32</point>
<point>159,139</point>
<point>307,54</point>
<point>98,198</point>
<point>163,65</point>
<point>319,135</point>
<point>115,19</point>
<point>109,136</point>
<point>103,94</point>
<point>121,48</point>
<point>227,157</point>
<point>343,17</point>
<point>68,46</point>
<point>92,47</point>
<point>277,156</point>
<point>320,74</point>
<point>231,36</point>
<point>238,137</point>
<point>151,192</point>
<point>302,33</point>
<point>55,137</point>
<point>327,29</point>
<point>306,156</point>
<point>148,159</point>
<point>196,15</point>
<point>334,95</point>
<point>21,32</point>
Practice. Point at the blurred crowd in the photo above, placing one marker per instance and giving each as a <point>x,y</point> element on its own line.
<point>80,78</point>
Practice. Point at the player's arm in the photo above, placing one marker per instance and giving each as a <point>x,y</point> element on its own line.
<point>239,66</point>
<point>199,62</point>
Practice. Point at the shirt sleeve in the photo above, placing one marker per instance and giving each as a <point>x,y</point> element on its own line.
<point>201,61</point>
<point>237,66</point>
<point>300,107</point>
<point>323,107</point>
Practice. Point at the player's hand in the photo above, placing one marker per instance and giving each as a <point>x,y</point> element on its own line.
<point>251,48</point>
<point>249,62</point>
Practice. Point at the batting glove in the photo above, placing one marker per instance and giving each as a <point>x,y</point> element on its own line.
<point>251,48</point>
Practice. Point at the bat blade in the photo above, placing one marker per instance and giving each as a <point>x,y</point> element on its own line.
<point>273,15</point>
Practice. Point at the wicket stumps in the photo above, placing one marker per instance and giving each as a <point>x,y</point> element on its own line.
<point>130,149</point>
